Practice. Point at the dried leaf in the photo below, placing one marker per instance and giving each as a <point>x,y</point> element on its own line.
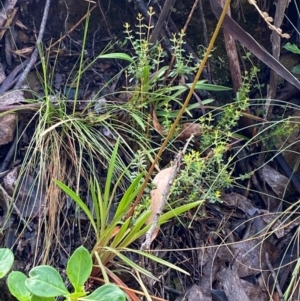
<point>157,125</point>
<point>161,181</point>
<point>21,25</point>
<point>23,52</point>
<point>187,129</point>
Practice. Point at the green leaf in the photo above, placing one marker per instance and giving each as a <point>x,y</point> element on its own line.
<point>110,173</point>
<point>136,232</point>
<point>123,232</point>
<point>36,298</point>
<point>292,47</point>
<point>157,75</point>
<point>128,197</point>
<point>116,55</point>
<point>107,292</point>
<point>296,69</point>
<point>78,201</point>
<point>16,285</point>
<point>139,120</point>
<point>79,268</point>
<point>158,260</point>
<point>45,281</point>
<point>177,211</point>
<point>134,266</point>
<point>76,296</point>
<point>146,73</point>
<point>6,261</point>
<point>95,197</point>
<point>202,85</point>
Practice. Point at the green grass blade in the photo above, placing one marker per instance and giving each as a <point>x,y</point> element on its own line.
<point>110,173</point>
<point>130,263</point>
<point>136,232</point>
<point>158,260</point>
<point>203,85</point>
<point>116,55</point>
<point>95,203</point>
<point>177,211</point>
<point>121,234</point>
<point>78,201</point>
<point>128,196</point>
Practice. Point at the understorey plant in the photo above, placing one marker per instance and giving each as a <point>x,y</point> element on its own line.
<point>115,231</point>
<point>45,283</point>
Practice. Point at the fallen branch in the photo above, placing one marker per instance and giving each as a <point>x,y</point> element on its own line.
<point>34,55</point>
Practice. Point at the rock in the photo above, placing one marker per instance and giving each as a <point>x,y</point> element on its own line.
<point>8,124</point>
<point>195,293</point>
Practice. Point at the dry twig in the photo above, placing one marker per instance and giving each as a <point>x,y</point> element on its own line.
<point>34,55</point>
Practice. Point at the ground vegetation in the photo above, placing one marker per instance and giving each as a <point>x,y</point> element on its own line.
<point>149,150</point>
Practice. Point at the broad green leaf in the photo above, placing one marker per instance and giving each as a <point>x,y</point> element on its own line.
<point>292,47</point>
<point>107,292</point>
<point>116,55</point>
<point>16,285</point>
<point>196,105</point>
<point>76,296</point>
<point>45,281</point>
<point>36,298</point>
<point>6,261</point>
<point>79,268</point>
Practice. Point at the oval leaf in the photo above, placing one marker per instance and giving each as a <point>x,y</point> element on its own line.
<point>106,292</point>
<point>45,281</point>
<point>6,261</point>
<point>16,285</point>
<point>79,268</point>
<point>36,298</point>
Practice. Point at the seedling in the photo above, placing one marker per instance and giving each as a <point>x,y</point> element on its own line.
<point>45,281</point>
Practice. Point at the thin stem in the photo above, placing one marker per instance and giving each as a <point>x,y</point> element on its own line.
<point>186,102</point>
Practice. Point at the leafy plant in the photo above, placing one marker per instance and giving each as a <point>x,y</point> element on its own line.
<point>155,86</point>
<point>294,49</point>
<point>115,235</point>
<point>45,282</point>
<point>81,140</point>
